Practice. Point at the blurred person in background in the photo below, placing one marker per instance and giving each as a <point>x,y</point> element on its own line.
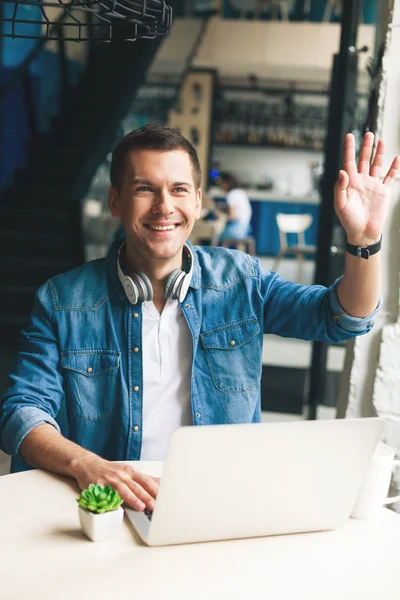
<point>238,208</point>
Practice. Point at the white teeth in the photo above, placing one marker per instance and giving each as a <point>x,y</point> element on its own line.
<point>162,227</point>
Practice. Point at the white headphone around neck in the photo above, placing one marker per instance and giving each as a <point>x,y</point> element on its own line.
<point>138,286</point>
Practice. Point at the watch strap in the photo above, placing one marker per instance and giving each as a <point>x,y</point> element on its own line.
<point>364,251</point>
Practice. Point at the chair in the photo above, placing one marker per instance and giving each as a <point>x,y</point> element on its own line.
<point>294,224</point>
<point>247,244</point>
<point>207,231</point>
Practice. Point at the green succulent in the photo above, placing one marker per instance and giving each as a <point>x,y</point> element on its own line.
<point>99,500</point>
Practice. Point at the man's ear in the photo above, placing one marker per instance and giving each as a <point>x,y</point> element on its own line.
<point>199,201</point>
<point>113,202</point>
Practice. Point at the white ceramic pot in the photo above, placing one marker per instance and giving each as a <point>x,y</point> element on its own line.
<point>100,527</point>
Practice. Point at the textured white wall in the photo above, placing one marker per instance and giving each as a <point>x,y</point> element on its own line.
<point>371,378</point>
<point>252,165</point>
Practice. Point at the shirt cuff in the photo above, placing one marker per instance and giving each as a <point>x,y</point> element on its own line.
<point>21,423</point>
<point>346,321</point>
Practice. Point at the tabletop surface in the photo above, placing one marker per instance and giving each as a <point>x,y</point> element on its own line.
<point>44,554</point>
<point>269,196</point>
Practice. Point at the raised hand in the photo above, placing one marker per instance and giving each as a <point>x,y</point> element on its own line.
<point>361,198</point>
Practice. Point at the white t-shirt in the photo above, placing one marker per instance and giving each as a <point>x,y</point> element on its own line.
<point>239,200</point>
<point>167,367</point>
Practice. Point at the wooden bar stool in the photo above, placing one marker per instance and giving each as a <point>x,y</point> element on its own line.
<point>297,224</point>
<point>247,244</point>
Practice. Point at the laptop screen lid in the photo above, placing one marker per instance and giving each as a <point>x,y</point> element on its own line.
<point>234,481</point>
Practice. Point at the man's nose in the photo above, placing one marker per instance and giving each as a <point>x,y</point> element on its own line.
<point>163,204</point>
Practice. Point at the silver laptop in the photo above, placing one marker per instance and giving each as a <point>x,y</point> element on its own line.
<point>234,481</point>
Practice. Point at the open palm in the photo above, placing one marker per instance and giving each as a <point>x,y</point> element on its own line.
<point>361,199</point>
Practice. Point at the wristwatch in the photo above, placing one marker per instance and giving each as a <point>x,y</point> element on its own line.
<point>363,251</point>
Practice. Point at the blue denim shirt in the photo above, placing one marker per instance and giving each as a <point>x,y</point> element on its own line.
<point>79,347</point>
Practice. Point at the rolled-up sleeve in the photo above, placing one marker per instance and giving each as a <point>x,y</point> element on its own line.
<point>36,385</point>
<point>21,422</point>
<point>308,312</point>
<point>357,325</point>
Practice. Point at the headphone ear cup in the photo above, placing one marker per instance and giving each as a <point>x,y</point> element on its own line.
<point>145,286</point>
<point>131,291</point>
<point>172,283</point>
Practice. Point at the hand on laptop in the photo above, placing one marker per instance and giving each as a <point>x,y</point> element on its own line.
<point>137,489</point>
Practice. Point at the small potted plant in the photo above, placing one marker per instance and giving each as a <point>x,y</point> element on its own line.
<point>100,512</point>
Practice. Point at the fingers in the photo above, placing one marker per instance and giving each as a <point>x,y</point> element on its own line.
<point>142,489</point>
<point>129,496</point>
<point>137,489</point>
<point>366,153</point>
<point>343,180</point>
<point>349,154</point>
<point>144,497</point>
<point>340,190</point>
<point>147,482</point>
<point>132,492</point>
<point>393,171</point>
<point>377,164</point>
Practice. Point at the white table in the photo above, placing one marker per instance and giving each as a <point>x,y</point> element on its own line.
<point>43,554</point>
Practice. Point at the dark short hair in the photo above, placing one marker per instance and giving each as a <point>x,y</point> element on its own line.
<point>230,179</point>
<point>152,137</point>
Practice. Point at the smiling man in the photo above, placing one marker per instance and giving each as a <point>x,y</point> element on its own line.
<point>161,334</point>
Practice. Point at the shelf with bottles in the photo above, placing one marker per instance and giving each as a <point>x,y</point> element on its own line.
<point>270,121</point>
<point>263,138</point>
<point>277,118</point>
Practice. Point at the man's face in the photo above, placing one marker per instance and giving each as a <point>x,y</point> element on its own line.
<point>157,203</point>
<point>224,185</point>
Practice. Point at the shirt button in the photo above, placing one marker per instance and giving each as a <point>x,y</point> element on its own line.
<point>198,415</point>
<point>136,388</point>
<point>89,369</point>
<point>136,349</point>
<point>232,342</point>
<point>187,305</point>
<point>135,315</point>
<point>136,428</point>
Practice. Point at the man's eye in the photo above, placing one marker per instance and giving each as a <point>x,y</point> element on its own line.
<point>143,188</point>
<point>180,190</point>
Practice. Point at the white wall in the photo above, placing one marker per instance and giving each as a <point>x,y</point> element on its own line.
<point>371,382</point>
<point>252,165</point>
<point>298,51</point>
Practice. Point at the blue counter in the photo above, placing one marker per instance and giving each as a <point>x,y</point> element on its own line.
<point>263,220</point>
<point>265,228</point>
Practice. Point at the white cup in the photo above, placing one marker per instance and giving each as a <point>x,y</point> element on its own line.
<point>373,493</point>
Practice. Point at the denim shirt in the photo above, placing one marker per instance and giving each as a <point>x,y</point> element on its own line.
<point>79,346</point>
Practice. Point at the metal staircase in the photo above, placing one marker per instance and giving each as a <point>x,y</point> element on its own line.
<point>40,215</point>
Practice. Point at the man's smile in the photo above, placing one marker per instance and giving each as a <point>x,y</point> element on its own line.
<point>162,227</point>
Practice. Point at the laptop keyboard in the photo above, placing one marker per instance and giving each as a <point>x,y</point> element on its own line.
<point>148,513</point>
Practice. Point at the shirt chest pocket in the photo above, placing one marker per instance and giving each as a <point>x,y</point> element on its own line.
<point>233,355</point>
<point>90,378</point>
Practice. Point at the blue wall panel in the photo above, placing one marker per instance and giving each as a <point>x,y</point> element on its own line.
<point>265,229</point>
